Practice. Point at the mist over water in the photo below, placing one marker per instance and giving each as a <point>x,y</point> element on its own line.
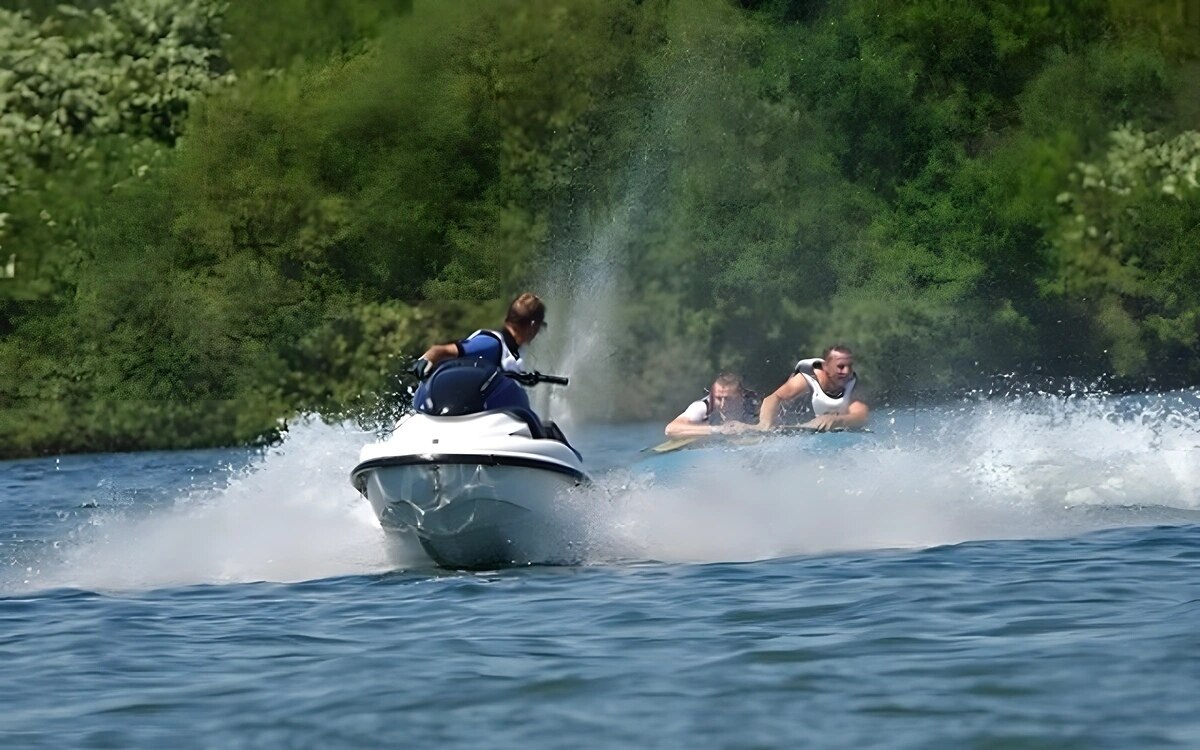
<point>1031,468</point>
<point>583,295</point>
<point>587,280</point>
<point>581,346</point>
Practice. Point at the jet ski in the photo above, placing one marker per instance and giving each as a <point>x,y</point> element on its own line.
<point>478,487</point>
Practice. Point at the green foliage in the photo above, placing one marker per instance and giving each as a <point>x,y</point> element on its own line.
<point>87,100</point>
<point>896,82</point>
<point>283,33</point>
<point>952,189</point>
<point>1124,247</point>
<point>1086,93</point>
<point>132,69</point>
<point>299,206</point>
<point>749,199</point>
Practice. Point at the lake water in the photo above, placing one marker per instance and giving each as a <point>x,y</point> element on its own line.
<point>1015,574</point>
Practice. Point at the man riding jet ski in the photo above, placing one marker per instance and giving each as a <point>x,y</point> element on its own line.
<point>525,319</point>
<point>473,473</point>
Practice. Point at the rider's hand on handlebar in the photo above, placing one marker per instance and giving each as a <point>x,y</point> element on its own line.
<point>421,368</point>
<point>524,378</point>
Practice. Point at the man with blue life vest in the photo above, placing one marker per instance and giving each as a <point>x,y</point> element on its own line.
<point>728,409</point>
<point>827,385</point>
<point>525,319</point>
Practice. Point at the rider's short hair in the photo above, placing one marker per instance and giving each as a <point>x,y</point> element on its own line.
<point>729,379</point>
<point>840,349</point>
<point>526,309</point>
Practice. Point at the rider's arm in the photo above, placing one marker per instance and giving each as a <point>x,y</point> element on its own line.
<point>858,414</point>
<point>791,388</point>
<point>483,346</point>
<point>855,417</point>
<point>438,352</point>
<point>693,422</point>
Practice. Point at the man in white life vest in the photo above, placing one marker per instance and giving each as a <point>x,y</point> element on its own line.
<point>828,385</point>
<point>525,319</point>
<point>728,409</point>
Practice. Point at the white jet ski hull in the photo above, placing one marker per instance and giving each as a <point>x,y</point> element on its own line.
<point>477,491</point>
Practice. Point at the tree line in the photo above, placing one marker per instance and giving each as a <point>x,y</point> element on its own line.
<point>223,215</point>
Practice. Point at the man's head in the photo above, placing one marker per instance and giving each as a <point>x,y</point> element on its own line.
<point>526,318</point>
<point>838,364</point>
<point>727,394</point>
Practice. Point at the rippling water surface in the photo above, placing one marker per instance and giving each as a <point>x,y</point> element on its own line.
<point>1024,574</point>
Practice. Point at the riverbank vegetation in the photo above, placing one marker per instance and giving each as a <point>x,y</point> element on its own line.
<point>215,216</point>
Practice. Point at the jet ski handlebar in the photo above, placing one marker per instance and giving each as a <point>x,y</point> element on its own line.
<point>533,378</point>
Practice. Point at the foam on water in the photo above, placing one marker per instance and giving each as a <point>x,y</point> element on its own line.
<point>1032,468</point>
<point>290,515</point>
<point>1037,468</point>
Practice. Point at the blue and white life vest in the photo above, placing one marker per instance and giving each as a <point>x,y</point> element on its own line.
<point>505,393</point>
<point>822,402</point>
<point>510,357</point>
